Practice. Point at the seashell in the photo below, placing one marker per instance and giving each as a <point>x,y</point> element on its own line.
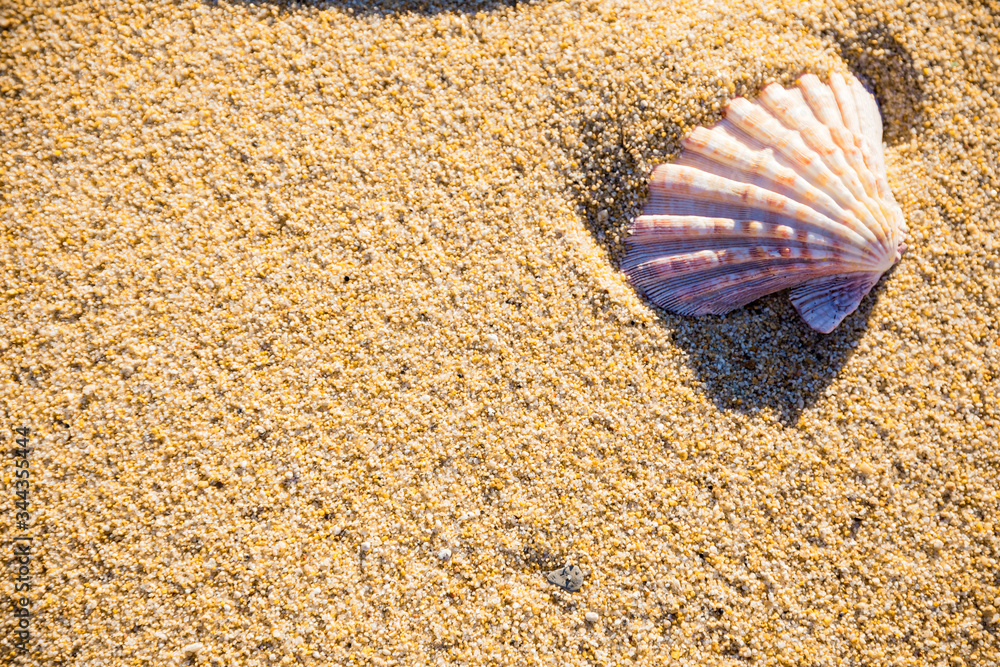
<point>785,192</point>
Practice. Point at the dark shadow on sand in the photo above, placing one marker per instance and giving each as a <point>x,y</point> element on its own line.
<point>382,8</point>
<point>765,356</point>
<point>882,63</point>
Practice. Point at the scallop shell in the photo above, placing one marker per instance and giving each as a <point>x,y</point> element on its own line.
<point>786,192</point>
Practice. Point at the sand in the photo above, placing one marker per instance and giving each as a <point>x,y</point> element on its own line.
<point>314,315</point>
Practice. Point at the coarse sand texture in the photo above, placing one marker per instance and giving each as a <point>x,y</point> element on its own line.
<point>316,317</point>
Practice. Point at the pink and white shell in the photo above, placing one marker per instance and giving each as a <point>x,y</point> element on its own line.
<point>788,191</point>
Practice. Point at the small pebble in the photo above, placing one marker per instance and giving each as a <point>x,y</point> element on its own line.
<point>569,578</point>
<point>592,617</point>
<point>444,554</point>
<point>193,649</point>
